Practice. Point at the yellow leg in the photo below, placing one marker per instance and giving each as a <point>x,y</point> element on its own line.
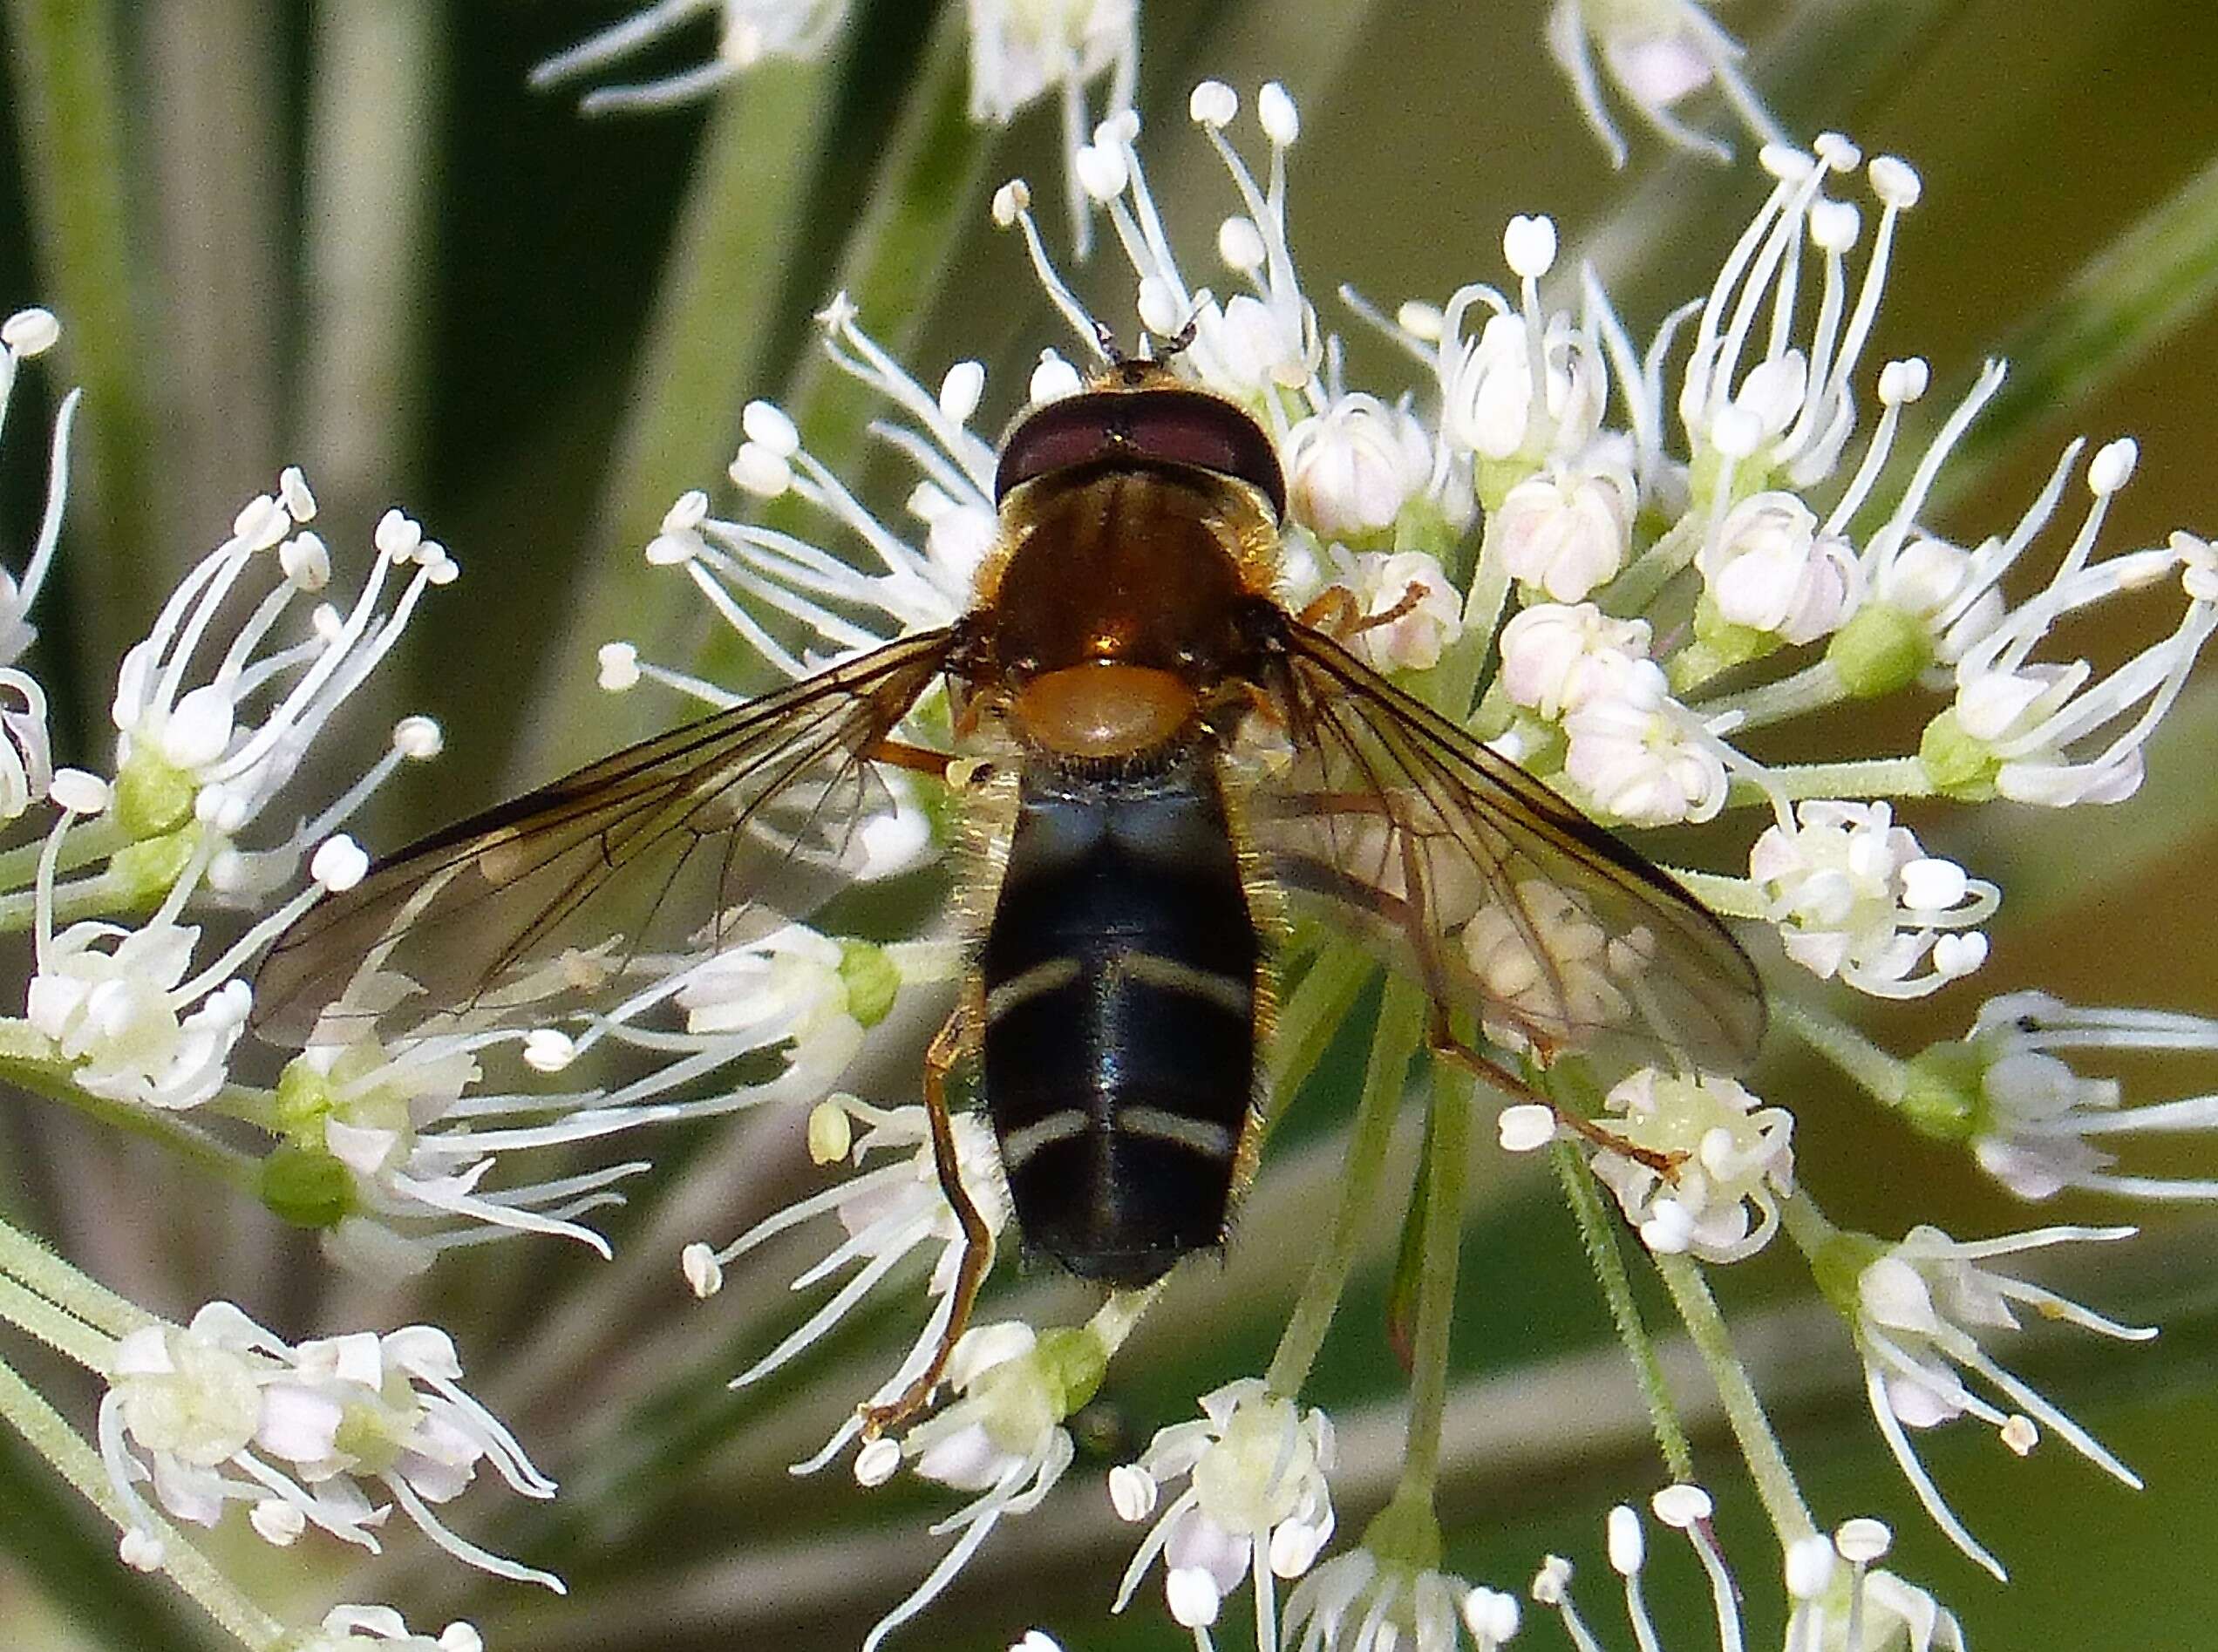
<point>951,1043</point>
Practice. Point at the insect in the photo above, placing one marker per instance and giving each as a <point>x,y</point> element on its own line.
<point>1156,758</point>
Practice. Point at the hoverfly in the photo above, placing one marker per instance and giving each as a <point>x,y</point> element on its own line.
<point>1153,749</point>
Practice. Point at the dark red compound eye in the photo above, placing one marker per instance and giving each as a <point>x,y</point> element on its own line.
<point>1162,426</point>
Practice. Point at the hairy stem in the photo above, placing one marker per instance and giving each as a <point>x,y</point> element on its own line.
<point>1597,1234</point>
<point>1759,1446</point>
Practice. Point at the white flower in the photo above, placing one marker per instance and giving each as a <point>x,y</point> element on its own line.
<point>1854,896</point>
<point>124,1013</point>
<point>1003,1438</point>
<point>1531,384</point>
<point>379,1629</point>
<point>1922,1308</point>
<point>1657,52</point>
<point>894,582</point>
<point>1351,469</point>
<point>1022,48</point>
<point>212,726</point>
<point>25,333</point>
<point>304,1432</point>
<point>1554,659</point>
<point>1790,413</point>
<point>1568,529</point>
<point>1382,580</point>
<point>1256,1503</point>
<point>1641,757</point>
<point>2034,1122</point>
<point>886,1212</point>
<point>751,31</point>
<point>1767,566</point>
<point>1356,1602</point>
<point>1738,1154</point>
<point>2054,734</point>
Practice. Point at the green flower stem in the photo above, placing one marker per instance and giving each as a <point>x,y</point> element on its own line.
<point>373,118</point>
<point>69,113</point>
<point>23,1409</point>
<point>1116,1319</point>
<point>27,1311</point>
<point>1447,1170</point>
<point>1727,897</point>
<point>1308,1020</point>
<point>49,1075</point>
<point>1887,1077</point>
<point>1814,688</point>
<point>1598,1233</point>
<point>1399,1029</point>
<point>1759,1447</point>
<point>26,1259</point>
<point>1632,591</point>
<point>1866,778</point>
<point>88,840</point>
<point>712,333</point>
<point>1808,1227</point>
<point>102,895</point>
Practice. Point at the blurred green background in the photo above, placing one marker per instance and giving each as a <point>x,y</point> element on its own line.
<point>359,244</point>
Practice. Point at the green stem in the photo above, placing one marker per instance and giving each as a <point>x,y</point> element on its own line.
<point>926,186</point>
<point>27,1260</point>
<point>1308,1020</point>
<point>69,104</point>
<point>102,895</point>
<point>1400,1028</point>
<point>1864,778</point>
<point>50,1076</point>
<point>23,1409</point>
<point>714,328</point>
<point>1814,688</point>
<point>1759,1447</point>
<point>27,1311</point>
<point>88,840</point>
<point>1887,1077</point>
<point>1598,1234</point>
<point>1447,1170</point>
<point>1727,897</point>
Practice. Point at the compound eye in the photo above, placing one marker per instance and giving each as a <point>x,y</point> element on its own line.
<point>1162,426</point>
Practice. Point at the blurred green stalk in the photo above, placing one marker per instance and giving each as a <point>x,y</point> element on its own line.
<point>69,112</point>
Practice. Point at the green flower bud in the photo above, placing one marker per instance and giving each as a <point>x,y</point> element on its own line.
<point>1074,1361</point>
<point>1961,765</point>
<point>1945,1098</point>
<point>151,798</point>
<point>871,978</point>
<point>307,1187</point>
<point>1881,649</point>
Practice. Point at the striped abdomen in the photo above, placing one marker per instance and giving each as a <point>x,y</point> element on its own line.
<point>1120,975</point>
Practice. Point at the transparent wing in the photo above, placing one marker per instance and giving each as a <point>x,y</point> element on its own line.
<point>712,836</point>
<point>1499,896</point>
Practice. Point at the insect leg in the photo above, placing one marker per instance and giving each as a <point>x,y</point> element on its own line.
<point>1335,613</point>
<point>1448,1047</point>
<point>901,755</point>
<point>951,1044</point>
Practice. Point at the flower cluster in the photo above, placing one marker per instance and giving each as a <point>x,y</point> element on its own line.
<point>1020,53</point>
<point>1667,548</point>
<point>1681,545</point>
<point>221,1411</point>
